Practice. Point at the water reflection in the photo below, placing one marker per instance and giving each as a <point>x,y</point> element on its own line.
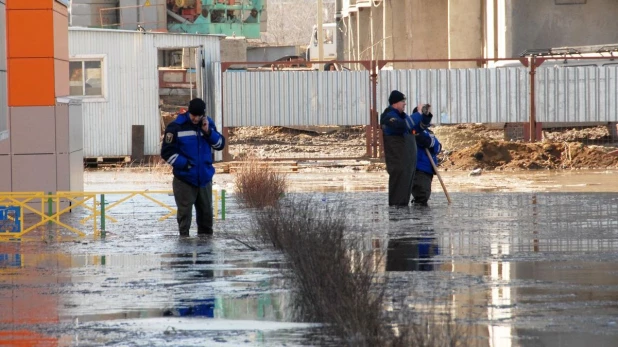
<point>193,308</point>
<point>527,267</point>
<point>411,254</point>
<point>25,299</point>
<point>201,279</point>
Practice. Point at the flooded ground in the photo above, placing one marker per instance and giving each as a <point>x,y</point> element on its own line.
<point>528,259</point>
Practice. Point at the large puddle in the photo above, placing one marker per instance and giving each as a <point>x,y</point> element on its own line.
<point>523,268</point>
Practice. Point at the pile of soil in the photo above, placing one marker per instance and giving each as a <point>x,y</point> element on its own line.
<point>504,155</point>
<point>456,137</point>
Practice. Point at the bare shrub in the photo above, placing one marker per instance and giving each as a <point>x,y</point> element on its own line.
<point>329,285</point>
<point>334,280</point>
<point>258,185</point>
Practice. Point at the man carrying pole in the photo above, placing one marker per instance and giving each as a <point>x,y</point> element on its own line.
<point>428,149</point>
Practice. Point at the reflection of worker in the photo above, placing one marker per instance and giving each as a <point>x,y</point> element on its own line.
<point>252,16</point>
<point>411,254</point>
<point>425,139</point>
<point>187,146</point>
<point>202,303</point>
<point>399,149</point>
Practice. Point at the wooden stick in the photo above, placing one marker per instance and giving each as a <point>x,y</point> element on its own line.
<point>435,169</point>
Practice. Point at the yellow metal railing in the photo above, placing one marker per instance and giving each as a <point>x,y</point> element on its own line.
<point>97,208</point>
<point>25,200</point>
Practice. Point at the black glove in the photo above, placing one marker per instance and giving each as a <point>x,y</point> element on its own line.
<point>425,109</point>
<point>426,120</point>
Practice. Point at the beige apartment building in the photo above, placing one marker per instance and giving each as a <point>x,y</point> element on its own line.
<point>460,29</point>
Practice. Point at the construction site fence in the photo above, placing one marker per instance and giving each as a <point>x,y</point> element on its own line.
<point>528,91</point>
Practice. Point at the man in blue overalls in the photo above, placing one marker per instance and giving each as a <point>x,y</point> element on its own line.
<point>187,146</point>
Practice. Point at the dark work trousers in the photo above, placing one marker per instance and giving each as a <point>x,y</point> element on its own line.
<point>421,191</point>
<point>187,195</point>
<point>400,153</point>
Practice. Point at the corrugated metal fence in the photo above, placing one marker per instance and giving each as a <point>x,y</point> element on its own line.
<point>577,94</point>
<point>462,95</point>
<point>296,98</point>
<point>483,95</point>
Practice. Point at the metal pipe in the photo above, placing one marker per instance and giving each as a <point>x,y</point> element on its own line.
<point>384,30</point>
<point>102,215</point>
<point>177,17</point>
<point>374,110</point>
<point>223,204</point>
<point>532,101</point>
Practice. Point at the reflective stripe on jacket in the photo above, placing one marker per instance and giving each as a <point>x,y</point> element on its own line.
<point>189,150</point>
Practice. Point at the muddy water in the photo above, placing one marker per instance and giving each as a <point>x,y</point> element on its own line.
<point>528,267</point>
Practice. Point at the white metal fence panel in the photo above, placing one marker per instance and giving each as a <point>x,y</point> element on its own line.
<point>492,95</point>
<point>296,98</point>
<point>577,94</point>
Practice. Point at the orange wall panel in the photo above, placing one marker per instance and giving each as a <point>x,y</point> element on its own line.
<point>30,34</point>
<point>30,4</point>
<point>31,82</point>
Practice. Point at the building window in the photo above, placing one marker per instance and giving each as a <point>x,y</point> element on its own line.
<point>86,77</point>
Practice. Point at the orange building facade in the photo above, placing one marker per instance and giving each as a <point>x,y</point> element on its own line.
<point>41,142</point>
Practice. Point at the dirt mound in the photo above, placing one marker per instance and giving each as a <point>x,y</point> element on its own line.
<point>596,133</point>
<point>456,137</point>
<point>503,155</point>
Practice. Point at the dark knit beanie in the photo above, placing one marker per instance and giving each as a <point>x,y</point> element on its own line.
<point>395,97</point>
<point>197,107</point>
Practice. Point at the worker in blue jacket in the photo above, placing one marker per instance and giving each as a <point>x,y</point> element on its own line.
<point>187,147</point>
<point>425,139</point>
<point>399,149</point>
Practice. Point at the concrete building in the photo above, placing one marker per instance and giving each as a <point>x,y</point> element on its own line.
<point>461,29</point>
<point>40,128</point>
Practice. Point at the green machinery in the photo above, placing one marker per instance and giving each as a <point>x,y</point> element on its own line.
<point>222,17</point>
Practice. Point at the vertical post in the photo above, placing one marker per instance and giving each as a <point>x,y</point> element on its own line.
<point>374,109</point>
<point>102,214</point>
<point>532,100</point>
<point>320,33</point>
<point>215,203</point>
<point>224,130</point>
<point>223,204</point>
<point>50,207</point>
<point>57,208</point>
<point>384,30</point>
